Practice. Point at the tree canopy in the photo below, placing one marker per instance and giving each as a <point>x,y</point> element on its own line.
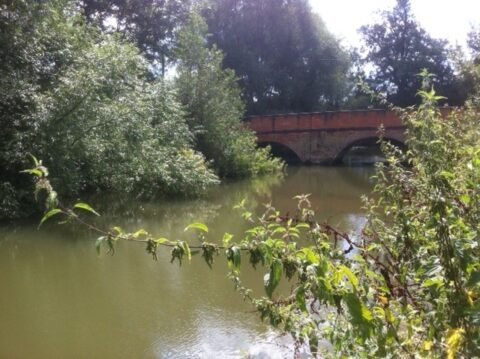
<point>152,24</point>
<point>399,49</point>
<point>473,42</point>
<point>82,100</point>
<point>284,56</point>
<point>470,67</point>
<point>214,108</point>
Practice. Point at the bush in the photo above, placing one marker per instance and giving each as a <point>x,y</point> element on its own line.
<point>80,100</point>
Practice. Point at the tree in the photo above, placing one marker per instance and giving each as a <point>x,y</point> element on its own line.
<point>399,49</point>
<point>469,67</point>
<point>152,24</point>
<point>214,108</point>
<point>80,99</point>
<point>474,43</point>
<point>284,56</point>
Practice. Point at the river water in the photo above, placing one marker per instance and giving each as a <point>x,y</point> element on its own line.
<point>59,299</point>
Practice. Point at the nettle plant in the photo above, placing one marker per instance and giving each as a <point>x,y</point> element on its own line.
<point>408,285</point>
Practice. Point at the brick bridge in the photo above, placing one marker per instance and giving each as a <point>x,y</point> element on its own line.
<point>324,137</point>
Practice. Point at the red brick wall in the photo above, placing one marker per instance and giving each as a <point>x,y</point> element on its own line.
<point>335,120</point>
<point>321,137</point>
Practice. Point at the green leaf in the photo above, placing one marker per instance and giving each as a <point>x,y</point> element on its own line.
<point>186,250</point>
<point>300,298</point>
<point>98,243</point>
<point>199,226</point>
<point>50,214</point>
<point>447,175</point>
<point>35,161</point>
<point>161,240</point>
<point>358,258</point>
<point>33,171</point>
<point>437,281</point>
<point>272,279</point>
<point>85,207</point>
<point>474,279</point>
<point>234,258</point>
<point>227,237</point>
<point>140,233</point>
<point>313,344</point>
<point>240,205</point>
<point>310,255</point>
<point>359,312</point>
<point>351,277</point>
<point>247,214</point>
<point>465,199</point>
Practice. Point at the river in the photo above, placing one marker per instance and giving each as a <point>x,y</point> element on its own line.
<point>59,299</point>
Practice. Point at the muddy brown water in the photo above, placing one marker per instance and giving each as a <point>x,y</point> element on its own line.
<point>59,299</point>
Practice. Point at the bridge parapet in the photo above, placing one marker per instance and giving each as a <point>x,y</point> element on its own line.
<point>330,120</point>
<point>322,137</point>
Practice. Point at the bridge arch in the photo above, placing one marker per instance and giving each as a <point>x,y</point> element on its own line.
<point>283,151</point>
<point>371,141</point>
<point>325,137</point>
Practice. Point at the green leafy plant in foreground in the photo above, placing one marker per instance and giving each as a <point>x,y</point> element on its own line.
<point>407,286</point>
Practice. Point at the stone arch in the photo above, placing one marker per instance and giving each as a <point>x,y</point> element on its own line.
<point>283,151</point>
<point>366,141</point>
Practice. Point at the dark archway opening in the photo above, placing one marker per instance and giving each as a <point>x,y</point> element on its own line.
<point>365,152</point>
<point>282,151</point>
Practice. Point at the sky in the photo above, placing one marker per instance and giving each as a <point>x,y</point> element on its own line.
<point>446,19</point>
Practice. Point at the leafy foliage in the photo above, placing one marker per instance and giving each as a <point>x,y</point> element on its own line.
<point>285,58</point>
<point>408,285</point>
<point>80,99</point>
<point>470,67</point>
<point>399,50</point>
<point>212,100</point>
<point>474,43</point>
<point>151,24</point>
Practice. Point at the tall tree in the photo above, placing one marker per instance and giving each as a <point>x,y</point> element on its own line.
<point>211,97</point>
<point>473,42</point>
<point>470,67</point>
<point>152,24</point>
<point>399,49</point>
<point>284,56</point>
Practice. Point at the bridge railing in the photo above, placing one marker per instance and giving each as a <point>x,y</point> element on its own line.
<point>329,120</point>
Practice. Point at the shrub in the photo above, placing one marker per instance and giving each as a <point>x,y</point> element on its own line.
<point>80,100</point>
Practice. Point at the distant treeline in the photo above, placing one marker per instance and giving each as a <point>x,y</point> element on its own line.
<point>285,58</point>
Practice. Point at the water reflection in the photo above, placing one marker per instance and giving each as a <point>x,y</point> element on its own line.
<point>59,299</point>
